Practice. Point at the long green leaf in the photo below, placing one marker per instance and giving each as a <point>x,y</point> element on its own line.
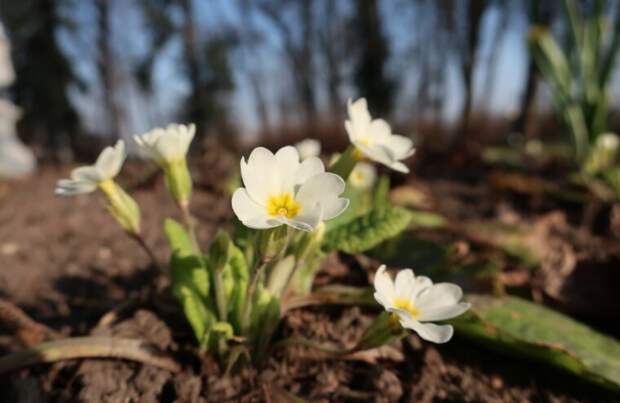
<point>518,327</point>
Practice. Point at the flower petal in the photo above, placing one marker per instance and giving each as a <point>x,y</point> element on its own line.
<point>287,164</point>
<point>401,147</point>
<point>308,168</point>
<point>249,212</point>
<point>111,160</point>
<point>333,207</point>
<point>404,283</point>
<point>187,135</point>
<point>384,286</point>
<point>86,174</point>
<point>443,313</point>
<point>379,131</point>
<point>260,175</point>
<point>358,110</point>
<point>68,187</point>
<point>304,222</point>
<point>428,331</point>
<point>168,145</point>
<point>439,295</point>
<point>323,186</point>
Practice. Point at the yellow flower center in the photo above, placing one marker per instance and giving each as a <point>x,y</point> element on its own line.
<point>358,154</point>
<point>406,305</point>
<point>283,205</point>
<point>357,176</point>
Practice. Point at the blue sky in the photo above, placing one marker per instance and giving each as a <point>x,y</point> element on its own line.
<point>170,86</point>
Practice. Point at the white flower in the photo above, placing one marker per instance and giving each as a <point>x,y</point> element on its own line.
<point>608,141</point>
<point>363,176</point>
<point>86,179</point>
<point>374,138</point>
<point>416,300</point>
<point>167,145</point>
<point>281,190</point>
<point>308,148</point>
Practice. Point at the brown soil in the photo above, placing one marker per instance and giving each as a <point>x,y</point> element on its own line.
<point>66,263</point>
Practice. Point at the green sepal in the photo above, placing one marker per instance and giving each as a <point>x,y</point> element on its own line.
<point>122,206</point>
<point>178,181</point>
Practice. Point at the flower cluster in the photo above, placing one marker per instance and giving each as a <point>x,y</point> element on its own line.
<point>235,290</point>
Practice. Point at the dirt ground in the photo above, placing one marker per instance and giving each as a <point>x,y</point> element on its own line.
<point>66,263</point>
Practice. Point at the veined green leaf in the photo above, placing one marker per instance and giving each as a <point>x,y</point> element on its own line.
<point>368,231</point>
<point>519,327</point>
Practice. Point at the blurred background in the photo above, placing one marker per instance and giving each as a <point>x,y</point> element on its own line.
<point>451,72</point>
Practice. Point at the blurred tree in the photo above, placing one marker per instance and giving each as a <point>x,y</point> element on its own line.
<point>334,39</point>
<point>205,62</point>
<point>371,78</point>
<point>297,38</point>
<point>106,62</point>
<point>43,72</point>
<point>538,14</point>
<point>474,12</point>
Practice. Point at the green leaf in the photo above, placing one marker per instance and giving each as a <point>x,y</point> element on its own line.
<point>178,238</point>
<point>519,327</point>
<point>426,219</point>
<point>408,250</point>
<point>195,311</point>
<point>382,192</point>
<point>264,322</point>
<point>368,231</point>
<point>236,277</point>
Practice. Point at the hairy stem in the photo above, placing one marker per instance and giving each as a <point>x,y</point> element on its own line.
<point>149,251</point>
<point>190,224</point>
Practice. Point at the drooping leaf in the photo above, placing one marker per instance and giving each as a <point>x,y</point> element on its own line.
<point>367,231</point>
<point>519,327</point>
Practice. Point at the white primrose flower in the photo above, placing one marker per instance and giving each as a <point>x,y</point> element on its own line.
<point>167,145</point>
<point>279,189</point>
<point>416,301</point>
<point>308,148</point>
<point>608,141</point>
<point>363,176</point>
<point>86,179</point>
<point>373,138</point>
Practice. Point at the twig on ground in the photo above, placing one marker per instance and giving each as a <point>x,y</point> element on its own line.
<point>89,347</point>
<point>27,329</point>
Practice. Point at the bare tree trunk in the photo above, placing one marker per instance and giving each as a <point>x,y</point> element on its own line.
<point>105,66</point>
<point>474,16</point>
<point>190,44</point>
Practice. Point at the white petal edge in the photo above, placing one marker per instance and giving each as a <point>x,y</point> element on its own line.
<point>249,212</point>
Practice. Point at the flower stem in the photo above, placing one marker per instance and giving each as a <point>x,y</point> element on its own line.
<point>220,295</point>
<point>261,264</point>
<point>142,242</point>
<point>190,224</point>
<point>345,163</point>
